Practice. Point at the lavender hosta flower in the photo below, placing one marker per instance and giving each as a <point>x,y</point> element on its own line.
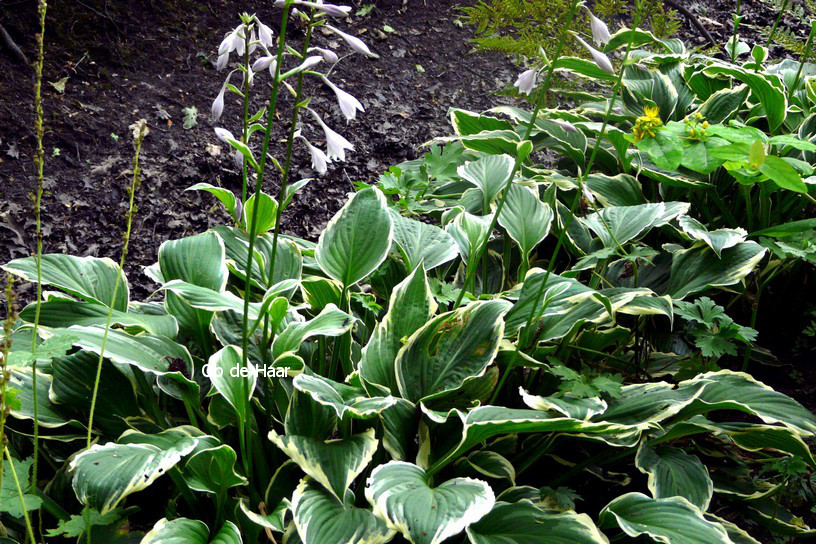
<point>526,81</point>
<point>224,135</point>
<point>588,196</point>
<point>353,41</point>
<point>600,32</point>
<point>265,35</point>
<point>218,104</point>
<point>327,54</point>
<point>600,59</point>
<point>263,63</point>
<point>566,125</point>
<point>348,104</point>
<point>320,161</point>
<point>336,145</point>
<point>238,158</point>
<point>328,9</point>
<point>223,59</point>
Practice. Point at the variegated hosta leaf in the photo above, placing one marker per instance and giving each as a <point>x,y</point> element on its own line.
<point>213,470</point>
<point>411,306</point>
<point>526,218</point>
<point>672,521</point>
<point>490,465</point>
<point>106,474</point>
<point>233,381</point>
<point>484,422</point>
<point>468,231</point>
<point>399,423</point>
<point>209,300</point>
<point>273,520</point>
<point>321,519</point>
<point>718,240</point>
<point>89,278</point>
<point>675,473</point>
<point>644,404</point>
<point>621,224</point>
<point>357,239</point>
<point>402,497</point>
<point>697,269</point>
<point>64,313</point>
<point>190,531</point>
<point>342,398</point>
<point>728,390</point>
<point>422,243</point>
<point>488,173</point>
<point>332,463</point>
<point>449,349</point>
<point>569,406</point>
<point>49,415</point>
<point>330,322</point>
<point>524,523</point>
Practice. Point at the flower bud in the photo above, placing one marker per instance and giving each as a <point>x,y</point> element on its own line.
<point>600,32</point>
<point>600,59</point>
<point>263,63</point>
<point>327,54</point>
<point>218,104</point>
<point>224,135</point>
<point>354,42</point>
<point>526,81</point>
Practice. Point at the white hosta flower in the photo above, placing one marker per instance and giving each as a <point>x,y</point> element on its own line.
<point>218,104</point>
<point>600,59</point>
<point>240,43</point>
<point>328,9</point>
<point>327,54</point>
<point>353,41</point>
<point>238,158</point>
<point>336,145</point>
<point>263,63</point>
<point>228,43</point>
<point>526,81</point>
<point>348,104</point>
<point>265,34</point>
<point>600,32</point>
<point>566,125</point>
<point>253,42</point>
<point>223,59</point>
<point>320,161</point>
<point>588,196</point>
<point>310,62</point>
<point>224,135</point>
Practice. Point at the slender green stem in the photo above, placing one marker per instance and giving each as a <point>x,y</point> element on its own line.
<point>39,160</point>
<point>5,374</point>
<point>735,38</point>
<point>139,132</point>
<point>776,23</point>
<point>253,230</point>
<point>540,100</point>
<point>245,132</point>
<point>20,496</point>
<point>802,61</point>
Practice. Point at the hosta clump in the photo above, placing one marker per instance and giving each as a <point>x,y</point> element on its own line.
<point>456,379</point>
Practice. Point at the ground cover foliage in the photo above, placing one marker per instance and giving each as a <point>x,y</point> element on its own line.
<point>523,336</point>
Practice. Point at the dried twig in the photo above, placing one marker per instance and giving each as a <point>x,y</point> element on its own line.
<point>9,43</point>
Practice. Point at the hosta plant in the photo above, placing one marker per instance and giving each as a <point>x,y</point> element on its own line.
<point>541,357</point>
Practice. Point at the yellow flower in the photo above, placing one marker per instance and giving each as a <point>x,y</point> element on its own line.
<point>652,112</point>
<point>646,124</point>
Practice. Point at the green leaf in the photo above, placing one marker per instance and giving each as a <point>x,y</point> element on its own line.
<point>410,307</point>
<point>9,497</point>
<point>665,149</point>
<point>88,278</point>
<point>723,104</point>
<point>267,210</point>
<point>619,190</point>
<point>330,322</point>
<point>585,68</point>
<point>766,88</point>
<point>787,229</point>
<point>468,231</point>
<point>64,313</point>
<point>77,525</point>
<point>449,349</point>
<point>190,531</point>
<point>489,173</point>
<point>675,473</point>
<point>672,521</point>
<point>698,268</point>
<point>231,379</point>
<point>491,465</point>
<point>403,498</point>
<point>225,196</point>
<point>321,519</point>
<point>718,240</point>
<point>622,224</point>
<point>357,239</point>
<point>342,398</point>
<point>756,155</point>
<point>524,523</point>
<point>466,123</point>
<point>212,470</point>
<point>421,242</point>
<point>783,174</point>
<point>526,218</point>
<point>332,463</point>
<point>49,415</point>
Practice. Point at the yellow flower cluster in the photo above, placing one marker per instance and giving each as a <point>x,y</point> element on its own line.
<point>646,124</point>
<point>696,129</point>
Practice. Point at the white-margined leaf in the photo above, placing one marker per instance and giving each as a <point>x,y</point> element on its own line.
<point>698,268</point>
<point>468,231</point>
<point>675,473</point>
<point>421,242</point>
<point>621,224</point>
<point>357,239</point>
<point>449,349</point>
<point>403,498</point>
<point>330,322</point>
<point>231,379</point>
<point>190,531</point>
<point>212,470</point>
<point>526,218</point>
<point>718,240</point>
<point>489,173</point>
<point>64,313</point>
<point>342,398</point>
<point>567,405</point>
<point>332,463</point>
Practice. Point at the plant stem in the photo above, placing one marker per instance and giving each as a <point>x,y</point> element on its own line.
<point>542,97</point>
<point>20,496</point>
<point>776,24</point>
<point>39,161</point>
<point>245,132</point>
<point>802,61</point>
<point>253,230</point>
<point>735,38</point>
<point>5,375</point>
<point>140,131</point>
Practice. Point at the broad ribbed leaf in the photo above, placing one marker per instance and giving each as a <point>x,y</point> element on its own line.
<point>569,406</point>
<point>558,297</point>
<point>88,278</point>
<point>402,497</point>
<point>410,307</point>
<point>342,398</point>
<point>357,239</point>
<point>526,218</point>
<point>620,190</point>
<point>231,379</point>
<point>468,231</point>
<point>209,300</point>
<point>64,313</point>
<point>321,519</point>
<point>675,473</point>
<point>421,242</point>
<point>196,259</point>
<point>49,415</point>
<point>190,531</point>
<point>225,196</point>
<point>766,88</point>
<point>621,224</point>
<point>672,521</point>
<point>718,240</point>
<point>332,463</point>
<point>489,174</point>
<point>213,470</point>
<point>330,322</point>
<point>697,269</point>
<point>524,523</point>
<point>451,348</point>
<point>644,403</point>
